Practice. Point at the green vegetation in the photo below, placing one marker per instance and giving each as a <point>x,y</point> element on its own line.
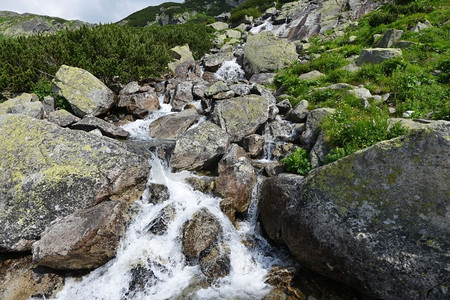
<point>148,15</point>
<point>417,81</point>
<point>254,8</point>
<point>297,162</point>
<point>110,52</point>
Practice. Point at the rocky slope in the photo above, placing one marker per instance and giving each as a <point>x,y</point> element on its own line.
<point>376,220</point>
<point>14,24</point>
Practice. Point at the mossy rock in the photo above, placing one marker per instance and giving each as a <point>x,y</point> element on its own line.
<point>47,172</point>
<point>377,220</point>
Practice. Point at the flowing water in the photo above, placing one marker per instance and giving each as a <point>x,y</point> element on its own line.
<point>230,70</point>
<point>150,266</point>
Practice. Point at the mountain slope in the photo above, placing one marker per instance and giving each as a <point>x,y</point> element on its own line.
<point>171,12</point>
<point>14,24</point>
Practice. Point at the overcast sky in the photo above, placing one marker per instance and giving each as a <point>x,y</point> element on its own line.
<point>93,11</point>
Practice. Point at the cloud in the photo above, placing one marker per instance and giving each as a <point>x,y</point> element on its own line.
<point>93,11</point>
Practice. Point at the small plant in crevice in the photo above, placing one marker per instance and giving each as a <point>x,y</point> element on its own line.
<point>297,162</point>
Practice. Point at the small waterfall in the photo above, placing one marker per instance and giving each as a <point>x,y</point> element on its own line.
<point>265,26</point>
<point>230,70</point>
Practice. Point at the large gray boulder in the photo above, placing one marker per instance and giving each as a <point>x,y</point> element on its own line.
<point>389,38</point>
<point>241,116</point>
<point>25,104</point>
<point>200,148</point>
<point>265,53</point>
<point>377,220</point>
<point>174,125</point>
<point>312,130</point>
<point>47,172</point>
<point>236,178</point>
<point>94,236</point>
<point>86,94</point>
<point>377,55</point>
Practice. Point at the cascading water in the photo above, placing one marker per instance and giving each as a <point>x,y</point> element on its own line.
<point>230,70</point>
<point>153,266</point>
<point>265,26</point>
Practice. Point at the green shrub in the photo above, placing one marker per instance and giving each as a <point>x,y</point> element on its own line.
<point>297,162</point>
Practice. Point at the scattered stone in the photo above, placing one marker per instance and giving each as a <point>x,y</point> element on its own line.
<point>313,75</point>
<point>224,95</point>
<point>212,62</point>
<point>315,117</point>
<point>200,233</point>
<point>236,178</point>
<point>352,67</point>
<point>25,104</point>
<point>319,151</point>
<point>389,38</point>
<point>89,123</point>
<point>408,114</point>
<point>200,148</point>
<point>254,145</point>
<point>241,116</point>
<point>131,88</point>
<point>57,172</point>
<point>299,112</point>
<point>139,104</point>
<point>421,26</point>
<point>49,104</point>
<point>352,39</point>
<point>241,89</point>
<point>216,88</point>
<point>284,106</point>
<point>198,89</point>
<point>94,236</point>
<point>219,26</point>
<point>263,78</point>
<point>86,94</point>
<point>174,125</point>
<point>223,17</point>
<point>377,55</point>
<point>185,62</point>
<point>62,118</point>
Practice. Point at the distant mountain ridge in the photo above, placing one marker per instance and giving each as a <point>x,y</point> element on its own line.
<point>13,24</point>
<point>174,13</point>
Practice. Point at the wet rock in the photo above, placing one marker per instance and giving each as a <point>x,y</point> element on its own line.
<point>159,225</point>
<point>377,55</point>
<point>86,94</point>
<point>158,193</point>
<point>89,123</point>
<point>94,236</point>
<point>313,75</point>
<point>47,171</point>
<point>371,220</point>
<point>139,104</point>
<point>265,53</point>
<point>390,37</point>
<point>216,262</point>
<point>236,178</point>
<point>315,117</point>
<point>200,148</point>
<point>25,104</point>
<point>174,125</point>
<point>280,149</point>
<point>183,95</point>
<point>203,184</point>
<point>200,233</point>
<point>212,62</point>
<point>226,206</point>
<point>20,280</point>
<point>253,144</point>
<point>241,116</point>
